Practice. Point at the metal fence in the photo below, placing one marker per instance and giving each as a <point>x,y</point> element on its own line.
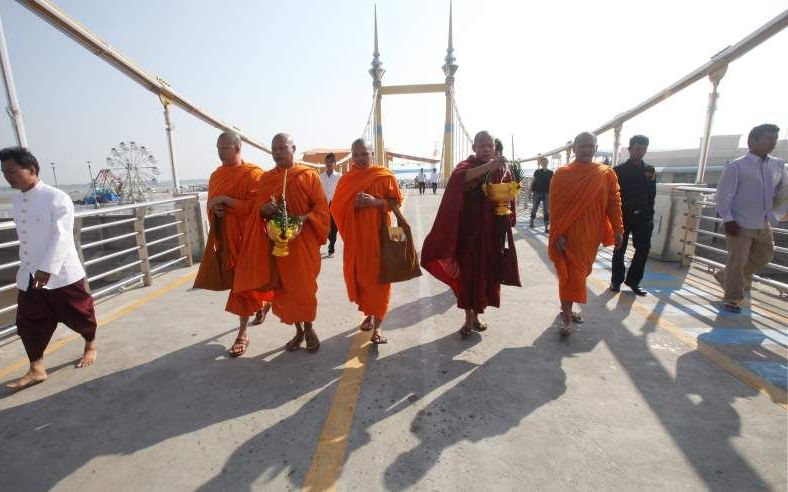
<point>118,246</point>
<point>704,243</point>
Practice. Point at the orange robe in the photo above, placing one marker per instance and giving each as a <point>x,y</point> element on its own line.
<point>240,183</point>
<point>585,206</point>
<point>295,296</point>
<point>360,231</point>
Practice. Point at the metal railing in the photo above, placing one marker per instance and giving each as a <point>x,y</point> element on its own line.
<point>118,246</point>
<point>699,242</point>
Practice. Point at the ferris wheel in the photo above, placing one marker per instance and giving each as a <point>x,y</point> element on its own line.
<point>136,168</point>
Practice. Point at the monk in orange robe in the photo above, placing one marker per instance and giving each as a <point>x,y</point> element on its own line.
<point>231,190</point>
<point>292,278</point>
<point>360,203</point>
<point>585,208</point>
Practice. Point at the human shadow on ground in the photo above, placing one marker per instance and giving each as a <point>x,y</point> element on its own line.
<point>415,312</point>
<point>517,381</point>
<point>174,395</point>
<point>247,464</point>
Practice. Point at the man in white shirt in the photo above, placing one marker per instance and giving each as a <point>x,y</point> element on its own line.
<point>421,179</point>
<point>50,279</point>
<point>434,181</point>
<point>330,178</point>
<point>746,196</point>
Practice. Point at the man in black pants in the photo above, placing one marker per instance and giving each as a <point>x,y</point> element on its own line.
<point>638,189</point>
<point>540,188</point>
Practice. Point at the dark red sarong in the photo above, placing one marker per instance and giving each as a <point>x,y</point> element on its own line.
<point>40,310</point>
<point>465,248</point>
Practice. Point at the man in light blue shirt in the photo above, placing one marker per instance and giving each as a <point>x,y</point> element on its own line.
<point>746,196</point>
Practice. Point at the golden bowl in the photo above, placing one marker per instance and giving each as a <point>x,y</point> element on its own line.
<point>501,194</point>
<point>279,239</point>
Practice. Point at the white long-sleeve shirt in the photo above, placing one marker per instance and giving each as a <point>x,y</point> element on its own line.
<point>330,183</point>
<point>748,189</point>
<point>44,219</point>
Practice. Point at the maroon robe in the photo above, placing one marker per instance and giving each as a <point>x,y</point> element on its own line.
<point>466,248</point>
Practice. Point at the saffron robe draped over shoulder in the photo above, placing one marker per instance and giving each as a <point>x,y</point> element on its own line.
<point>239,183</point>
<point>585,207</point>
<point>295,298</point>
<point>360,231</point>
<point>464,247</point>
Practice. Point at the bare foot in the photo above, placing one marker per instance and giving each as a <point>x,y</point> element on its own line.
<point>88,357</point>
<point>30,379</point>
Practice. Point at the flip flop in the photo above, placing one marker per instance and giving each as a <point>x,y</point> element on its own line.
<point>366,325</point>
<point>378,339</point>
<point>243,342</point>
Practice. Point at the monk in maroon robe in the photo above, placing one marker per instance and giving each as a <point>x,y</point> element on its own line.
<point>469,247</point>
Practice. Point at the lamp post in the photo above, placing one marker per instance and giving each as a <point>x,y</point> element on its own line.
<point>54,173</point>
<point>93,186</point>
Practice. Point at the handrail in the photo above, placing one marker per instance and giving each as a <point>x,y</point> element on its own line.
<point>718,61</point>
<point>139,266</point>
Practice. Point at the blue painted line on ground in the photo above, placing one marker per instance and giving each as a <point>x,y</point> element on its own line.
<point>773,372</point>
<point>742,336</point>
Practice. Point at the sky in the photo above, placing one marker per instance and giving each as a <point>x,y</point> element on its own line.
<point>539,72</point>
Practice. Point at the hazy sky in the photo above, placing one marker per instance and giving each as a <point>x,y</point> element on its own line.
<point>542,71</point>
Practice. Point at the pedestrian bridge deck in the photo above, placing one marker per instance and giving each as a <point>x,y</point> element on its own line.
<point>649,392</point>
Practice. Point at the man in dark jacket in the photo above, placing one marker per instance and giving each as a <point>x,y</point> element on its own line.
<point>540,188</point>
<point>637,181</point>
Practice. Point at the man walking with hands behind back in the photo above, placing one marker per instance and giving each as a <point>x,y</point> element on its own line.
<point>746,197</point>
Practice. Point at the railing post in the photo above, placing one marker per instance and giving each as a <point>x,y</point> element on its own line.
<point>142,246</point>
<point>715,77</point>
<point>183,229</point>
<point>78,246</point>
<point>617,144</point>
<point>694,209</point>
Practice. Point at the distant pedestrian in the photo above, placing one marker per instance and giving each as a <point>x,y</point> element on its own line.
<point>638,184</point>
<point>50,279</point>
<point>434,181</point>
<point>421,180</point>
<point>330,178</point>
<point>748,190</point>
<point>540,191</point>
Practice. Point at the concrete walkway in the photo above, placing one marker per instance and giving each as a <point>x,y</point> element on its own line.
<point>629,402</point>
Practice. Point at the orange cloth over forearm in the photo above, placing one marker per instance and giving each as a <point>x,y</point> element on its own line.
<point>585,207</point>
<point>295,299</point>
<point>360,231</point>
<point>239,183</point>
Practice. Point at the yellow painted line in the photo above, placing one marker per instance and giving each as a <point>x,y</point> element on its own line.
<point>332,444</point>
<point>778,395</point>
<point>114,315</point>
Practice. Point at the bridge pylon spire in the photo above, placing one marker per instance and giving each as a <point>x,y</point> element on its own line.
<point>449,69</point>
<point>377,72</point>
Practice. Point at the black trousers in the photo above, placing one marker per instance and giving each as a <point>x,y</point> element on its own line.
<point>641,240</point>
<point>434,188</point>
<point>332,234</point>
<point>422,187</point>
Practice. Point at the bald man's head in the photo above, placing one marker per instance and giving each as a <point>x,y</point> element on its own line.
<point>484,145</point>
<point>361,152</point>
<point>228,145</point>
<point>584,146</point>
<point>283,150</point>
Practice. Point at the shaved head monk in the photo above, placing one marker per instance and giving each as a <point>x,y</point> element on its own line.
<point>361,202</point>
<point>466,248</point>
<point>231,190</point>
<point>585,207</point>
<point>291,278</point>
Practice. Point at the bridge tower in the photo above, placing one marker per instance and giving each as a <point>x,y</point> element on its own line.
<point>447,88</point>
